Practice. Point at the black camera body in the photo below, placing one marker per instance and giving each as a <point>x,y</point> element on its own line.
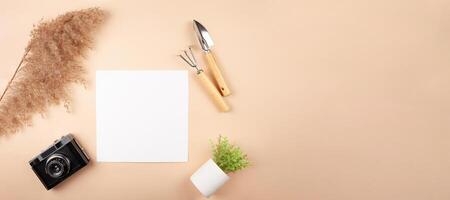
<point>59,161</point>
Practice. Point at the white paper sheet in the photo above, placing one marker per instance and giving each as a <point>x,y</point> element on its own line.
<point>142,116</point>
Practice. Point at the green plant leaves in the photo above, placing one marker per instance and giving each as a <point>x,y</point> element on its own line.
<point>228,157</point>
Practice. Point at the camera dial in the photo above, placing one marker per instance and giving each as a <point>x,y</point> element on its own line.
<point>57,165</point>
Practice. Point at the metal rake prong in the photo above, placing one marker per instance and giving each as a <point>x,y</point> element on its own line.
<point>192,54</point>
<point>185,60</point>
<point>188,57</point>
<point>190,60</point>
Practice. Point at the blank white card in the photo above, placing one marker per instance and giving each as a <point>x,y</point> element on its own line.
<point>142,116</point>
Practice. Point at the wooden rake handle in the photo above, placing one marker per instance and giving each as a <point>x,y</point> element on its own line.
<point>219,101</point>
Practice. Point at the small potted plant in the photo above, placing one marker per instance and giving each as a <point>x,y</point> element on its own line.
<point>226,158</point>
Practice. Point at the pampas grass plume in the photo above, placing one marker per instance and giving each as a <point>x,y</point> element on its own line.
<point>52,62</point>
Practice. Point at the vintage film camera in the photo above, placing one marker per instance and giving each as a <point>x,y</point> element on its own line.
<point>59,161</point>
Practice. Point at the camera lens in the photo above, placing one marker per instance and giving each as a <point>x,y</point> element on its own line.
<point>57,166</point>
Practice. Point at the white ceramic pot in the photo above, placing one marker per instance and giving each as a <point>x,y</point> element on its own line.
<point>208,178</point>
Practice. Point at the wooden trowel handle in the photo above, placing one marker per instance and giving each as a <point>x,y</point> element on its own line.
<point>217,74</point>
<point>212,92</point>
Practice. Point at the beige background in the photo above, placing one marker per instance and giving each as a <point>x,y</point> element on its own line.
<point>332,99</point>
